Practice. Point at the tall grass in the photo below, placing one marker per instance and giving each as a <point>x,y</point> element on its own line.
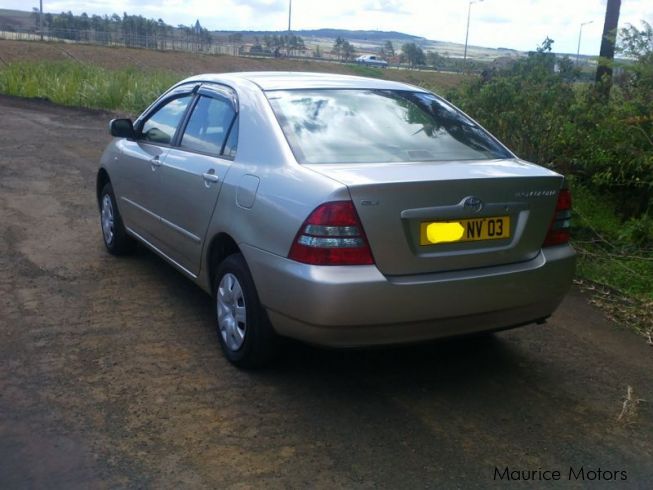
<point>74,84</point>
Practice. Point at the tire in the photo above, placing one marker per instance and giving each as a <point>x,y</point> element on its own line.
<point>114,235</point>
<point>246,336</point>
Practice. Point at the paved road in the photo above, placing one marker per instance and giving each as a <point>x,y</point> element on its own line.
<point>110,374</point>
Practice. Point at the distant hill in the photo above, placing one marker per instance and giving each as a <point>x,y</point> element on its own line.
<point>18,19</point>
<point>359,35</point>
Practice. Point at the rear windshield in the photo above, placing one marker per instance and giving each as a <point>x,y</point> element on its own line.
<point>378,126</point>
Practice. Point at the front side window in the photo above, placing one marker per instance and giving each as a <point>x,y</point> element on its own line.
<point>208,126</point>
<point>378,126</point>
<point>161,126</point>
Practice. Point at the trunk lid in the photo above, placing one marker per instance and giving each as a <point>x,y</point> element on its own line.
<point>395,203</point>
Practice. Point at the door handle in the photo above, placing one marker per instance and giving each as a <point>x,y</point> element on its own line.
<point>155,162</point>
<point>210,177</point>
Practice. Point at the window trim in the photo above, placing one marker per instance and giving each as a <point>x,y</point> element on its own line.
<point>220,91</point>
<point>185,88</point>
<point>210,92</point>
<point>172,95</point>
<point>234,126</point>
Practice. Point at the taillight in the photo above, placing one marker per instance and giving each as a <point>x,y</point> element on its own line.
<point>332,235</point>
<point>559,229</point>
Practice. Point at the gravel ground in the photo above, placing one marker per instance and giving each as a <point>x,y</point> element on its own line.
<point>111,375</point>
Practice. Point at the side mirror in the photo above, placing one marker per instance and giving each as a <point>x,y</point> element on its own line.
<point>122,128</point>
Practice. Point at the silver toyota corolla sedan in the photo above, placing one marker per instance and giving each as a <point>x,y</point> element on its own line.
<point>337,210</point>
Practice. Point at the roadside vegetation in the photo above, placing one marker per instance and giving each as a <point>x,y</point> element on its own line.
<point>602,138</point>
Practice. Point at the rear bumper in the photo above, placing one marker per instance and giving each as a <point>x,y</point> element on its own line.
<point>357,305</point>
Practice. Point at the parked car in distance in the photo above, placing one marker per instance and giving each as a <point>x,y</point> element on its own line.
<point>372,60</point>
<point>341,211</point>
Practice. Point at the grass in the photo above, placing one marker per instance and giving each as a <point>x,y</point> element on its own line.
<point>74,84</point>
<point>615,259</point>
<point>129,89</point>
<point>608,254</point>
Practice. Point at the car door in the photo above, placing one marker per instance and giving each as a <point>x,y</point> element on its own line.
<point>193,172</point>
<point>140,162</point>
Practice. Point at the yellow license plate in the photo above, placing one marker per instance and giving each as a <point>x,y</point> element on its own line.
<point>464,230</point>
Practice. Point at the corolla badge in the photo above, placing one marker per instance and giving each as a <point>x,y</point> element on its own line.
<point>473,202</point>
<point>536,193</point>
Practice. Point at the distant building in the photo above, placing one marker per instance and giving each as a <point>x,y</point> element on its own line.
<point>198,27</point>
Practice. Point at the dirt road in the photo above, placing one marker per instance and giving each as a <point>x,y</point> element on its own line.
<point>110,374</point>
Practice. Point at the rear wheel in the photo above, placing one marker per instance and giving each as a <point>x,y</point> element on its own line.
<point>116,239</point>
<point>246,336</point>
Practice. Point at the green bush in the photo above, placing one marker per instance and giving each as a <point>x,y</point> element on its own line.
<point>526,107</point>
<point>543,114</point>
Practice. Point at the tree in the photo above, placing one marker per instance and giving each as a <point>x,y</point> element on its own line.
<point>604,70</point>
<point>637,80</point>
<point>388,49</point>
<point>296,43</point>
<point>337,47</point>
<point>36,15</point>
<point>343,49</point>
<point>413,54</point>
<point>435,60</point>
<point>637,44</point>
<point>348,51</point>
<point>256,48</point>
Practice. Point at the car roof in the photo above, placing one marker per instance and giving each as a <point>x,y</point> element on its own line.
<point>288,80</point>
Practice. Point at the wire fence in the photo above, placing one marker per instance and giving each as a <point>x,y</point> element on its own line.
<point>179,41</point>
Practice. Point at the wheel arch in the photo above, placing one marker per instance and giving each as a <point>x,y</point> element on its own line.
<point>102,179</point>
<point>221,246</point>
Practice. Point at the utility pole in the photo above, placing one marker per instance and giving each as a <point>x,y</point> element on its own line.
<point>608,41</point>
<point>469,14</point>
<point>41,18</point>
<point>289,14</point>
<point>580,34</point>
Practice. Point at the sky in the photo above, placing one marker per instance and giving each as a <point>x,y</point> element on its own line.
<point>517,24</point>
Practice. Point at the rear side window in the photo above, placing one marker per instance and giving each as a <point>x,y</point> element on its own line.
<point>208,126</point>
<point>162,125</point>
<point>378,126</point>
